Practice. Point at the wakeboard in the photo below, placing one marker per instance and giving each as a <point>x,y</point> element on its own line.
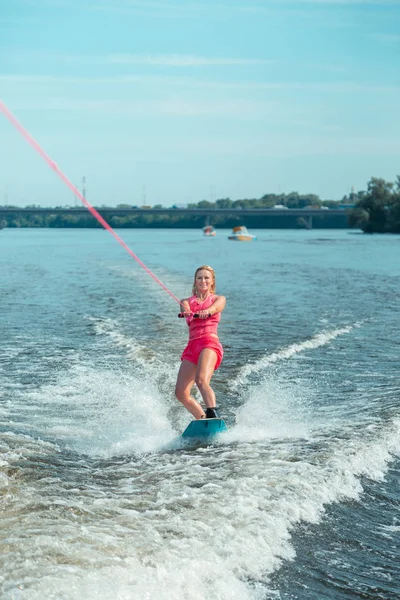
<point>204,428</point>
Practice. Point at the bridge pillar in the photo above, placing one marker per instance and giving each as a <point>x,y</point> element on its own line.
<point>305,221</point>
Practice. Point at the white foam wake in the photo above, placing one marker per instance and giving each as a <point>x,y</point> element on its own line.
<point>101,412</point>
<point>171,550</point>
<point>145,360</point>
<point>134,351</point>
<point>318,340</point>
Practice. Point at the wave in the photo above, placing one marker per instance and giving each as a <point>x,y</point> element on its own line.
<point>215,528</point>
<point>318,340</point>
<point>144,359</point>
<point>135,351</point>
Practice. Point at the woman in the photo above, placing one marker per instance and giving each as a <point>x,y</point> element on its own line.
<point>203,354</point>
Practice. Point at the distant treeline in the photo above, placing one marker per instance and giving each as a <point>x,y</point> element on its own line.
<point>376,210</point>
<point>327,221</point>
<point>179,220</point>
<point>292,200</point>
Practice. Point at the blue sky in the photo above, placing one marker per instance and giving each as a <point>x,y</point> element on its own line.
<point>176,101</point>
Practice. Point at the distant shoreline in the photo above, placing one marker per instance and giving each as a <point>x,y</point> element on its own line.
<point>118,218</point>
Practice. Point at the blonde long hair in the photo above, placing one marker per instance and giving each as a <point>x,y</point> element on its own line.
<point>210,270</point>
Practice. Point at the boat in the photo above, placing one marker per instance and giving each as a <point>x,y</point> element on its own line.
<point>209,231</point>
<point>240,234</point>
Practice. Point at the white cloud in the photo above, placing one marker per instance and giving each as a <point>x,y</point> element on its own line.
<point>192,83</point>
<point>344,2</point>
<point>227,108</point>
<point>182,60</point>
<point>164,10</point>
<point>389,39</point>
<point>195,10</point>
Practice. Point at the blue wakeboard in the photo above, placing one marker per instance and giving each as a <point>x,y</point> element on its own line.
<point>202,428</point>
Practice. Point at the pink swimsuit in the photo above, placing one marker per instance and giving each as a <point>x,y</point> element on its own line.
<point>202,332</point>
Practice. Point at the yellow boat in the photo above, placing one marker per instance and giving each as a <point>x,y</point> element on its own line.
<point>240,234</point>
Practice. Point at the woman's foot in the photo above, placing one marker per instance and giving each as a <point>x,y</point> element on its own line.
<point>212,413</point>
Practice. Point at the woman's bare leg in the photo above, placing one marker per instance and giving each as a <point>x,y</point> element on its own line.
<point>184,384</point>
<point>204,372</point>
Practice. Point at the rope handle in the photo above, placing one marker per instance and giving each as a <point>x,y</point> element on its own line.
<point>195,315</point>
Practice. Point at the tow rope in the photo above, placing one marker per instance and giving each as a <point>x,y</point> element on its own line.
<point>77,193</point>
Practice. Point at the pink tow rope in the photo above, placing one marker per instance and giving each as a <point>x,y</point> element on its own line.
<point>77,193</point>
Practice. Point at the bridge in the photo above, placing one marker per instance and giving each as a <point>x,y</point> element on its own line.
<point>339,216</point>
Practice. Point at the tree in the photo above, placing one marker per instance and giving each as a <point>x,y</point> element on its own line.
<point>224,203</point>
<point>205,204</point>
<point>378,210</point>
<point>359,218</point>
<point>269,200</point>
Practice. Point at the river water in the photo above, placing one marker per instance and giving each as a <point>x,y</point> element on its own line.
<point>100,500</point>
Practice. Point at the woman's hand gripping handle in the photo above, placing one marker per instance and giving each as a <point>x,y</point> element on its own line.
<point>203,314</point>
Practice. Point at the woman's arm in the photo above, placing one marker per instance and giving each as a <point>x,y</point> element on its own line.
<point>217,306</point>
<point>185,306</point>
